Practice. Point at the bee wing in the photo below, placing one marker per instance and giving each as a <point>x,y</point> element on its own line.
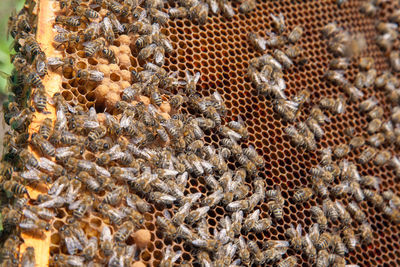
<point>74,205</point>
<point>222,236</point>
<point>299,229</point>
<point>96,75</point>
<point>31,175</point>
<point>281,244</point>
<point>60,29</point>
<point>155,28</point>
<point>142,15</point>
<point>61,119</point>
<point>29,214</point>
<point>167,214</point>
<point>105,234</point>
<point>255,215</point>
<point>102,171</point>
<point>54,61</point>
<point>196,77</point>
<point>176,256</point>
<point>118,26</point>
<point>106,23</point>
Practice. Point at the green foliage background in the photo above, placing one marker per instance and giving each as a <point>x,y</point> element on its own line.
<point>6,8</point>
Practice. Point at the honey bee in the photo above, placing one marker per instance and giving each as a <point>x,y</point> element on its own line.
<point>227,9</point>
<point>322,258</point>
<point>367,154</point>
<point>340,63</point>
<point>330,30</point>
<point>82,207</point>
<point>282,58</point>
<point>319,216</point>
<point>382,157</point>
<point>238,205</point>
<point>276,209</point>
<point>124,231</point>
<point>106,242</point>
<point>97,133</point>
<point>106,25</point>
<point>317,114</point>
<point>286,109</point>
<point>247,6</point>
<point>259,43</point>
<point>275,41</point>
<point>67,260</point>
<point>349,239</point>
<point>43,145</point>
<point>365,233</point>
<point>376,140</point>
<point>357,141</point>
<point>91,75</point>
<point>276,248</point>
<point>344,215</point>
<point>34,226</point>
<point>294,236</point>
<point>158,16</point>
<point>170,257</point>
<point>296,137</point>
<point>303,195</point>
<point>91,47</point>
<point>290,261</point>
<point>278,23</point>
<point>335,77</point>
<point>341,150</point>
<point>259,256</point>
<point>178,13</point>
<point>68,21</point>
<point>87,12</point>
<point>356,212</point>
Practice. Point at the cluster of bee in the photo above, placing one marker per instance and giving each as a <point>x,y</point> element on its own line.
<point>198,11</point>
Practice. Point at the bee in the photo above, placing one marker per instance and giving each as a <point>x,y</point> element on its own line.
<point>238,205</point>
<point>344,215</point>
<point>82,207</point>
<point>374,197</point>
<point>276,209</point>
<point>43,145</point>
<point>319,216</point>
<point>286,109</point>
<point>259,43</point>
<point>66,260</point>
<point>309,248</point>
<point>259,256</point>
<point>87,12</point>
<point>124,231</point>
<point>341,150</point>
<point>357,141</point>
<point>340,63</point>
<point>317,114</point>
<point>227,9</point>
<point>94,46</point>
<point>290,261</point>
<point>322,258</point>
<point>367,154</point>
<point>31,45</point>
<point>282,58</point>
<point>294,236</point>
<point>276,248</point>
<point>106,25</point>
<point>330,30</point>
<point>370,181</point>
<point>106,243</point>
<point>34,226</point>
<point>349,239</point>
<point>369,9</point>
<point>178,13</point>
<point>303,195</point>
<point>91,75</point>
<point>158,16</point>
<point>356,212</point>
<point>376,140</point>
<point>197,214</point>
<point>46,128</point>
<point>191,82</point>
<point>170,257</point>
<point>247,6</point>
<point>68,21</point>
<point>278,23</point>
<point>330,210</point>
<point>365,233</point>
<point>155,98</point>
<point>275,41</point>
<point>391,197</point>
<point>295,35</point>
<point>368,104</point>
<point>296,137</point>
<point>109,54</point>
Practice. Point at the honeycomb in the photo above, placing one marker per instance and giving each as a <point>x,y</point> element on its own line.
<point>220,51</point>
